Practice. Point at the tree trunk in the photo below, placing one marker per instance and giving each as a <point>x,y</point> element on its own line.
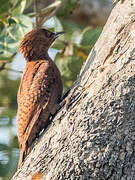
<point>93,136</point>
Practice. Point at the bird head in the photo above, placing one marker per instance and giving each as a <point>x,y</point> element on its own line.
<point>35,44</point>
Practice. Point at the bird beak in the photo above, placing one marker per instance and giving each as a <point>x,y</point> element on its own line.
<point>57,34</point>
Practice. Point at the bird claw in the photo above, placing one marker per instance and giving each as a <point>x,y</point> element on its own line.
<point>54,108</point>
<point>68,101</point>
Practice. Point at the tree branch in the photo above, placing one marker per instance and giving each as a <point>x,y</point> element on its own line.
<point>36,12</point>
<point>45,13</point>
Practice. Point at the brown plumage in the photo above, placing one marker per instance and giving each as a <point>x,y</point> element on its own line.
<point>40,88</point>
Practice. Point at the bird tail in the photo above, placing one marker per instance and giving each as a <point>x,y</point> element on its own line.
<point>24,151</point>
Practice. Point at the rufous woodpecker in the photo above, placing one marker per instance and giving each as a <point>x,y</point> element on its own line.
<point>40,88</point>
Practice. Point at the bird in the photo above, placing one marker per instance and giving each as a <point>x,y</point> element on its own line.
<point>40,88</point>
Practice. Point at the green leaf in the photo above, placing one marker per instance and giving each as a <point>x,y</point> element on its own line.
<point>25,24</point>
<point>11,36</point>
<point>57,25</point>
<point>74,65</point>
<point>59,45</point>
<point>67,7</point>
<point>18,7</point>
<point>90,36</point>
<point>4,20</point>
<point>71,26</point>
<point>69,67</point>
<point>5,5</point>
<point>8,46</point>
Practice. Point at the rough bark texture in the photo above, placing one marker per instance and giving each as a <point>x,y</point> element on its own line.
<point>95,137</point>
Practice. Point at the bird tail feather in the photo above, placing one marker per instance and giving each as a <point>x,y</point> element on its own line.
<point>24,151</point>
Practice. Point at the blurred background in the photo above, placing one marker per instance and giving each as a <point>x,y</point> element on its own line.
<point>81,20</point>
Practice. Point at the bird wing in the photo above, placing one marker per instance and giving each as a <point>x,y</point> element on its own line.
<point>34,95</point>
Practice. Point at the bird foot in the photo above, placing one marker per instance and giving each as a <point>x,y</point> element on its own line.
<point>53,108</point>
<point>68,101</point>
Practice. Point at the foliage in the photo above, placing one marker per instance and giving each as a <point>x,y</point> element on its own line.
<point>73,47</point>
<point>8,150</point>
<point>13,26</point>
<point>72,50</point>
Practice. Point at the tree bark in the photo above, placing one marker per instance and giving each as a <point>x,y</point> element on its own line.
<point>93,136</point>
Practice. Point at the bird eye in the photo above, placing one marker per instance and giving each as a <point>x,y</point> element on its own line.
<point>48,34</point>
